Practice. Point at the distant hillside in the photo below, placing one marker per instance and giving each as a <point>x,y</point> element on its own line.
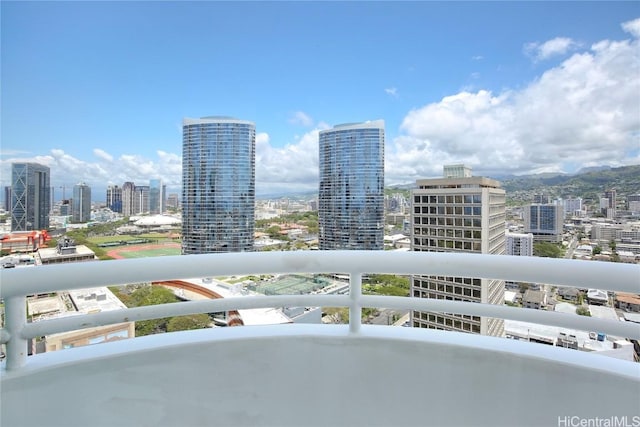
<point>589,185</point>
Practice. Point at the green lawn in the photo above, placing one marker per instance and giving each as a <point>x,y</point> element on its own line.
<point>151,253</point>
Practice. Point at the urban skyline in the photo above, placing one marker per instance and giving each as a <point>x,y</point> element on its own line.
<point>497,90</point>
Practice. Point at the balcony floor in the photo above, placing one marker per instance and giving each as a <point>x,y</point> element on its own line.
<point>317,375</point>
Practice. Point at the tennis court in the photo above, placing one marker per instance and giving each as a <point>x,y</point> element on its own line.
<point>293,284</point>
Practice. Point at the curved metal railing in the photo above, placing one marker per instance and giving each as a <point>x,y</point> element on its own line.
<point>18,283</point>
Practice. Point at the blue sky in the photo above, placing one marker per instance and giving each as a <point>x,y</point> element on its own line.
<point>98,90</point>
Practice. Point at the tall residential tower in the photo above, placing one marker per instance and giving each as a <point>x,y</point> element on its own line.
<point>458,215</point>
<point>30,201</point>
<point>81,203</point>
<point>157,196</point>
<point>114,198</point>
<point>218,185</point>
<point>351,196</point>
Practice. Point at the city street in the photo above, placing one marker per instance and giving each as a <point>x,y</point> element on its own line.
<point>386,317</point>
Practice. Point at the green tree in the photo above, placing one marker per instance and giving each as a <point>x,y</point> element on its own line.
<point>597,250</point>
<point>547,250</point>
<point>583,311</point>
<point>185,323</point>
<point>612,245</point>
<point>274,232</point>
<point>151,295</point>
<point>339,314</point>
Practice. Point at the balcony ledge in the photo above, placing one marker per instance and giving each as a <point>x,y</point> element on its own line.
<point>317,375</point>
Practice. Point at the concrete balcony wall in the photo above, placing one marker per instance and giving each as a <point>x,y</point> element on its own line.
<point>300,374</point>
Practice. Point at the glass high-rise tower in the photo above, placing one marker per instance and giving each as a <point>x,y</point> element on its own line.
<point>157,196</point>
<point>218,185</point>
<point>81,203</point>
<point>351,195</point>
<point>30,200</point>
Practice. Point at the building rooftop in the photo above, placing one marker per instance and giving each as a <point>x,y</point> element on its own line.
<point>533,296</point>
<point>47,254</point>
<point>597,294</point>
<point>549,334</point>
<point>256,316</point>
<point>95,300</point>
<point>628,298</point>
<point>447,183</point>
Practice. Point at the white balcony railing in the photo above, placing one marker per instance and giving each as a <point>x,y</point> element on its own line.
<point>18,283</point>
<point>315,374</point>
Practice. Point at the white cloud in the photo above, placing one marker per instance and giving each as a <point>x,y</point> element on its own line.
<point>102,154</point>
<point>632,27</point>
<point>583,112</point>
<point>392,91</point>
<point>301,118</point>
<point>541,51</point>
<point>293,167</point>
<point>477,57</point>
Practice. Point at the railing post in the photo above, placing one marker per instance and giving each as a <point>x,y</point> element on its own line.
<point>15,317</point>
<point>355,310</point>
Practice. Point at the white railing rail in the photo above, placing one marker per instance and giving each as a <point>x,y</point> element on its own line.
<point>18,283</point>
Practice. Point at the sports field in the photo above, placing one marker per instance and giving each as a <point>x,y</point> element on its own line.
<point>143,251</point>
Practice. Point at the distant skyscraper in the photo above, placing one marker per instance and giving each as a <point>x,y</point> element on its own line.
<point>351,196</point>
<point>7,198</point>
<point>544,221</point>
<point>572,207</point>
<point>114,198</point>
<point>157,196</point>
<point>218,185</point>
<point>633,203</point>
<point>458,215</point>
<point>140,199</point>
<point>127,198</point>
<point>65,207</point>
<point>541,199</point>
<point>173,200</point>
<point>30,198</point>
<point>610,209</point>
<point>81,204</point>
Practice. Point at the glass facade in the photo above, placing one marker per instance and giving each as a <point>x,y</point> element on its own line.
<point>81,203</point>
<point>544,219</point>
<point>351,194</point>
<point>218,185</point>
<point>30,196</point>
<point>156,196</point>
<point>114,198</point>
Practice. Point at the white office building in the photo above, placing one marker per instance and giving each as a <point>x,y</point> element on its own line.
<point>519,244</point>
<point>458,215</point>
